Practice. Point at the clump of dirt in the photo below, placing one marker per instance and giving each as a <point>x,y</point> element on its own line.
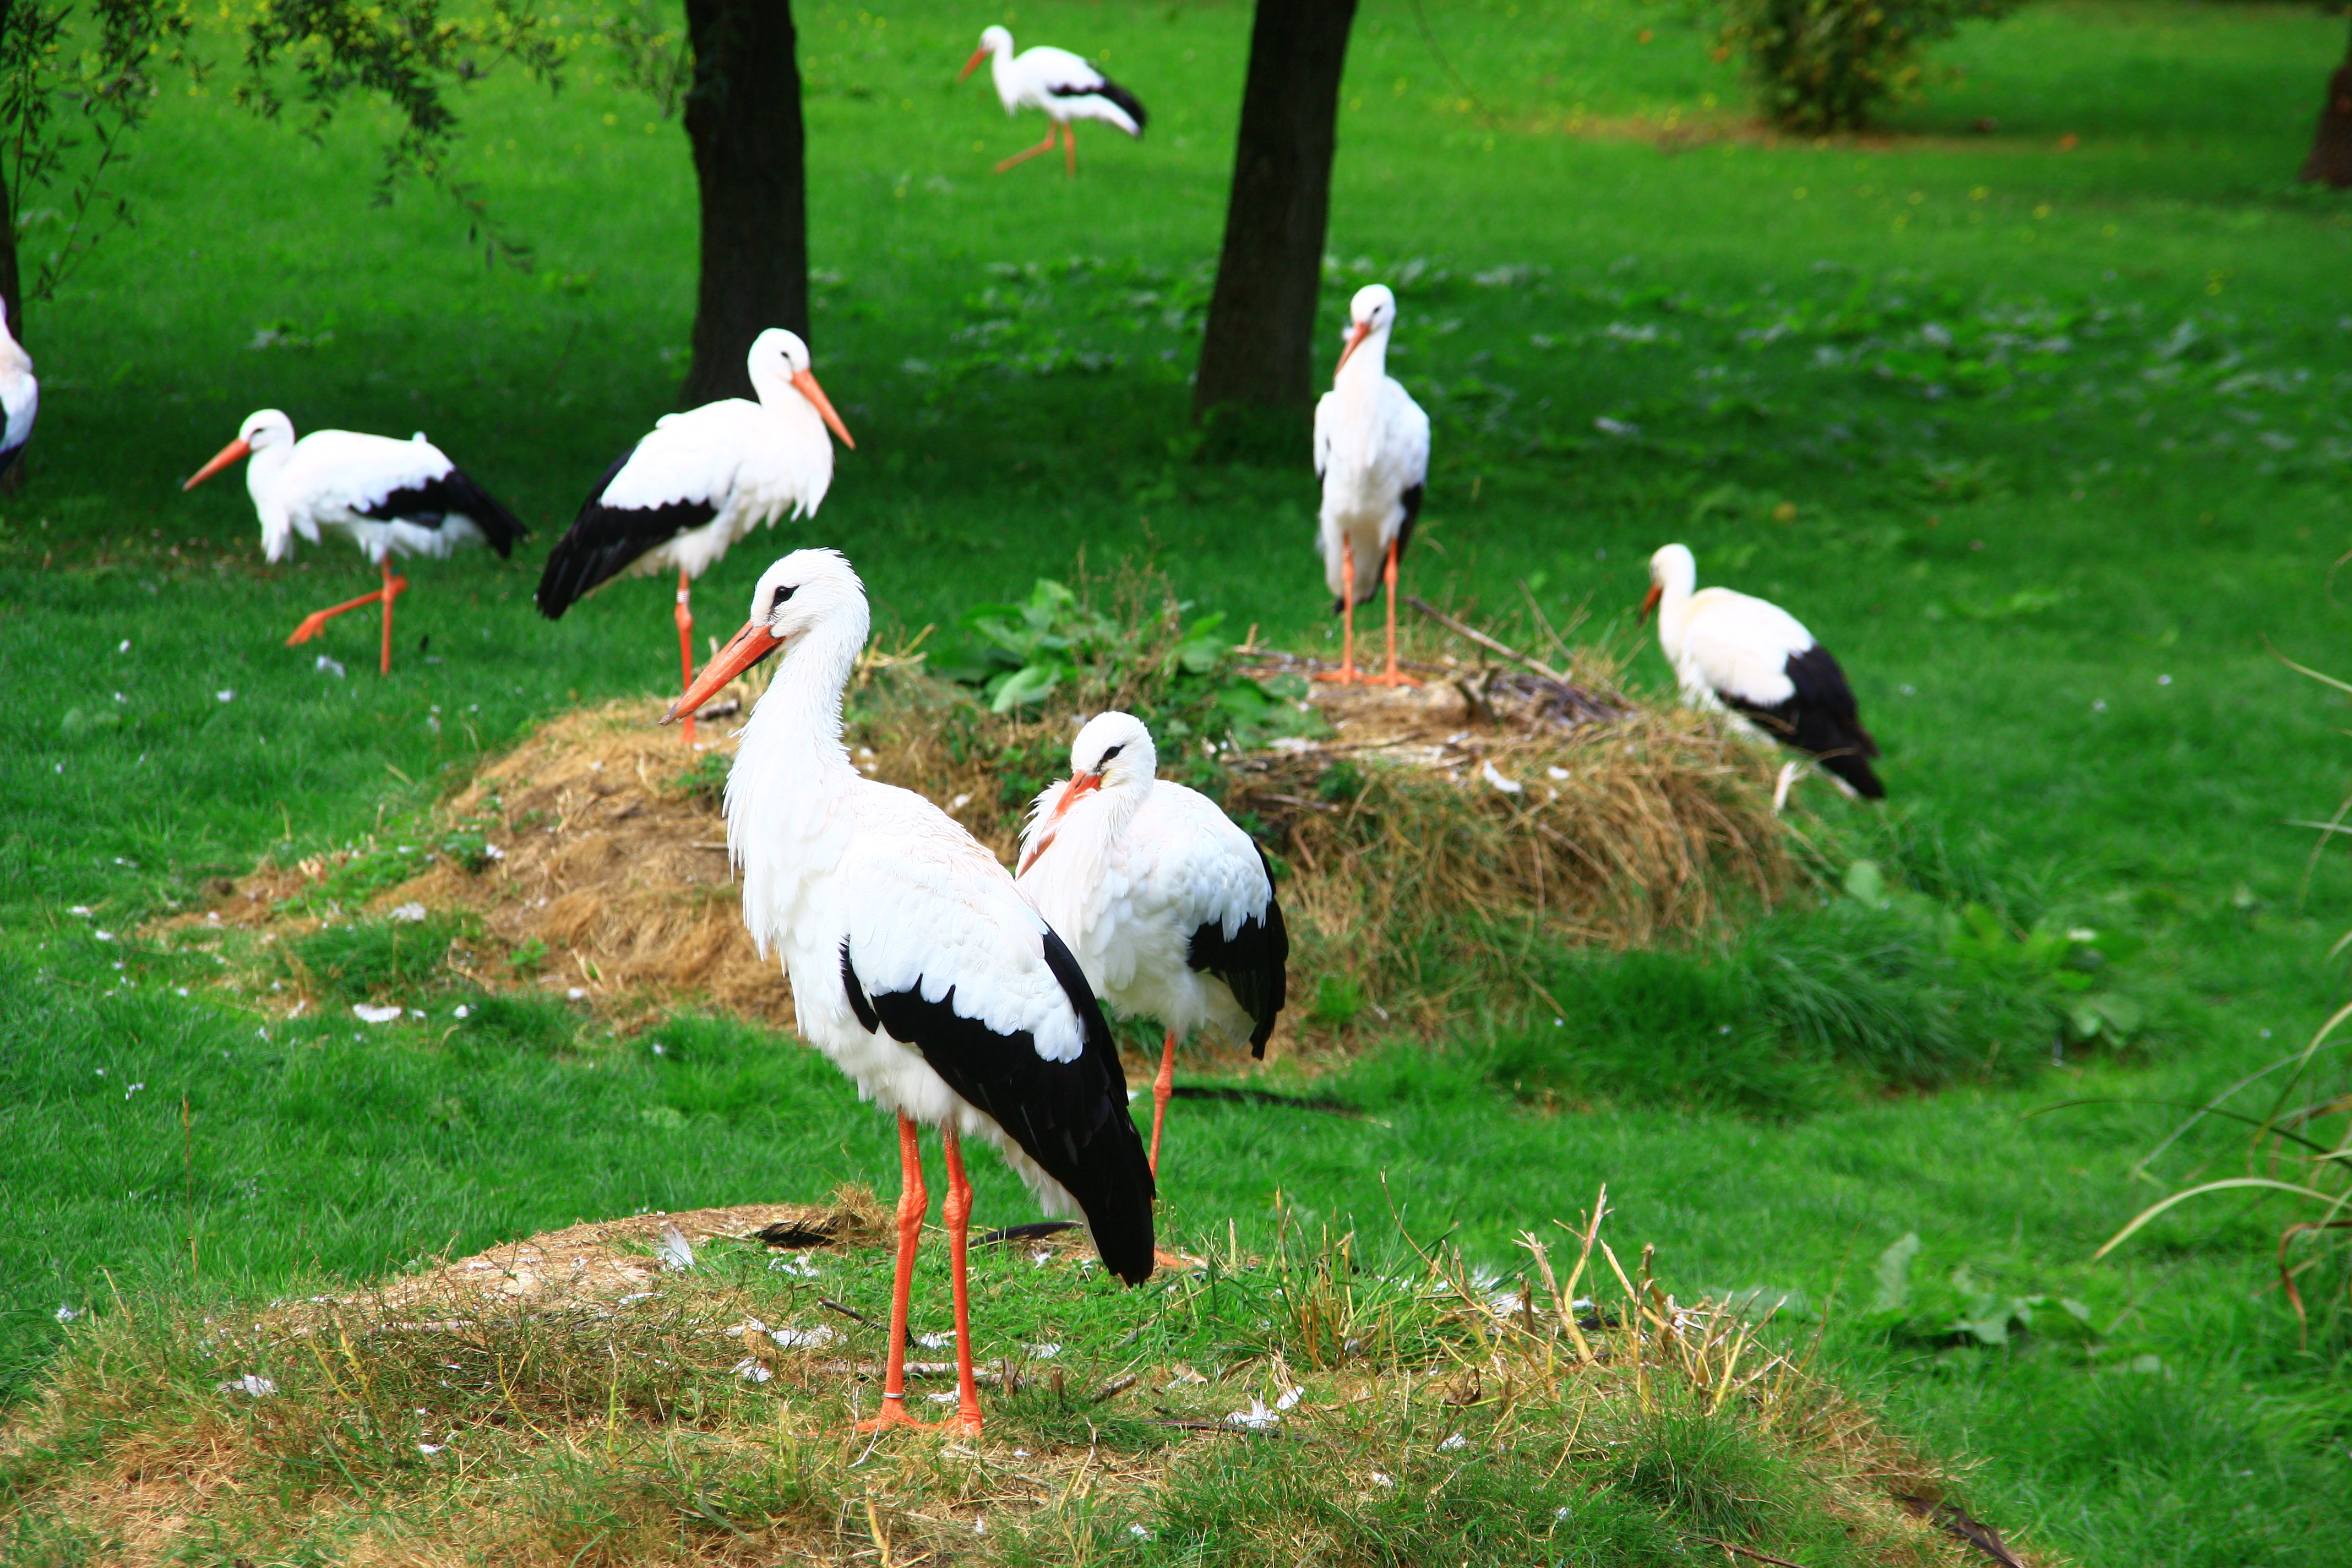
<point>1409,829</point>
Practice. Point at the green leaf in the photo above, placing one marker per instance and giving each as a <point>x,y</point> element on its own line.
<point>1893,1274</point>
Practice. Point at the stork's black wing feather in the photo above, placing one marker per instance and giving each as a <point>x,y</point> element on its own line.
<point>453,494</point>
<point>1253,963</point>
<point>1070,1117</point>
<point>602,541</point>
<point>1821,718</point>
<point>1109,89</point>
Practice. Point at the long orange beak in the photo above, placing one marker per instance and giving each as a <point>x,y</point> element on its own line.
<point>1356,337</point>
<point>1085,783</point>
<point>1650,601</point>
<point>227,455</point>
<point>973,64</point>
<point>804,383</point>
<point>753,644</point>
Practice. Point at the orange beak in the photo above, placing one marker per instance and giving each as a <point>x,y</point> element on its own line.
<point>1650,601</point>
<point>1085,783</point>
<point>1355,336</point>
<point>804,383</point>
<point>227,455</point>
<point>973,64</point>
<point>753,644</point>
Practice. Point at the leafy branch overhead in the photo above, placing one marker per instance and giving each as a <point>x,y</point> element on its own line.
<point>409,51</point>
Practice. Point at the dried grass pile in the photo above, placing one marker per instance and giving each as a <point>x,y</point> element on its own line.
<point>1335,1399</point>
<point>1422,837</point>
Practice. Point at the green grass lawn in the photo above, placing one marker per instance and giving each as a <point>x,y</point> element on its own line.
<point>2045,437</point>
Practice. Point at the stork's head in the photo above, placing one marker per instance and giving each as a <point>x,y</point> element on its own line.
<point>1374,310</point>
<point>1113,755</point>
<point>262,431</point>
<point>780,356</point>
<point>1672,569</point>
<point>807,593</point>
<point>995,41</point>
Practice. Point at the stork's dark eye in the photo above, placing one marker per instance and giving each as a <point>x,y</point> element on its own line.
<point>777,601</point>
<point>1106,757</point>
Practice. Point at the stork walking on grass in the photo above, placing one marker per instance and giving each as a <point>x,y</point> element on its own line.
<point>1058,84</point>
<point>1751,657</point>
<point>390,497</point>
<point>1168,906</point>
<point>1371,452</point>
<point>916,964</point>
<point>699,482</point>
<point>20,398</point>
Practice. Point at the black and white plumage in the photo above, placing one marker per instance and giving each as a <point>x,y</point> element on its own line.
<point>1747,655</point>
<point>1371,452</point>
<point>1060,85</point>
<point>917,966</point>
<point>20,398</point>
<point>388,496</point>
<point>1169,907</point>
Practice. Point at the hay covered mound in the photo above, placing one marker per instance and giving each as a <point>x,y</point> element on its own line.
<point>1418,834</point>
<point>673,1390</point>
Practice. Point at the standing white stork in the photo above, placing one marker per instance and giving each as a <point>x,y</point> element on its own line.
<point>1168,906</point>
<point>390,497</point>
<point>700,481</point>
<point>1061,85</point>
<point>916,964</point>
<point>1371,452</point>
<point>1755,658</point>
<point>20,397</point>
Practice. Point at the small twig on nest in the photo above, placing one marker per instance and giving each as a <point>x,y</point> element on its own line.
<point>1117,1386</point>
<point>1482,640</point>
<point>852,1313</point>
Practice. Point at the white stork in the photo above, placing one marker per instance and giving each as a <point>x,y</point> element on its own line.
<point>916,964</point>
<point>1061,85</point>
<point>20,397</point>
<point>1753,657</point>
<point>700,481</point>
<point>1371,452</point>
<point>390,497</point>
<point>1168,906</point>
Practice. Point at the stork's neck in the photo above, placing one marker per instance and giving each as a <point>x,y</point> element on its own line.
<point>265,474</point>
<point>1673,611</point>
<point>1008,85</point>
<point>793,739</point>
<point>1361,376</point>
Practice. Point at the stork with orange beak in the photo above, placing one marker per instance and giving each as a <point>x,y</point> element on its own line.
<point>700,481</point>
<point>1058,84</point>
<point>1371,452</point>
<point>390,497</point>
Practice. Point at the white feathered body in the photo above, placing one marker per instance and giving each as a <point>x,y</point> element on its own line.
<point>1725,645</point>
<point>330,479</point>
<point>20,398</point>
<point>1062,86</point>
<point>1126,883</point>
<point>828,855</point>
<point>1372,450</point>
<point>752,462</point>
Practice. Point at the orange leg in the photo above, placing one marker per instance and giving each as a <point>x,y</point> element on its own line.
<point>957,1211</point>
<point>1347,673</point>
<point>1162,1088</point>
<point>912,1201</point>
<point>1027,154</point>
<point>1392,675</point>
<point>1070,146</point>
<point>316,621</point>
<point>684,617</point>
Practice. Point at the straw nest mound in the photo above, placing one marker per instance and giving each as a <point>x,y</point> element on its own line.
<point>1418,834</point>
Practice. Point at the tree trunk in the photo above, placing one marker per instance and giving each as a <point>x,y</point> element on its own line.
<point>1257,354</point>
<point>2330,163</point>
<point>12,284</point>
<point>743,118</point>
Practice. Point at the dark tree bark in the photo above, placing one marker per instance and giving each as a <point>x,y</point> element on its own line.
<point>743,118</point>
<point>1257,354</point>
<point>2330,163</point>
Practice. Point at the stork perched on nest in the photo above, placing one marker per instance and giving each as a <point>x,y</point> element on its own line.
<point>916,964</point>
<point>1732,652</point>
<point>390,497</point>
<point>1168,906</point>
<point>1058,84</point>
<point>1371,452</point>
